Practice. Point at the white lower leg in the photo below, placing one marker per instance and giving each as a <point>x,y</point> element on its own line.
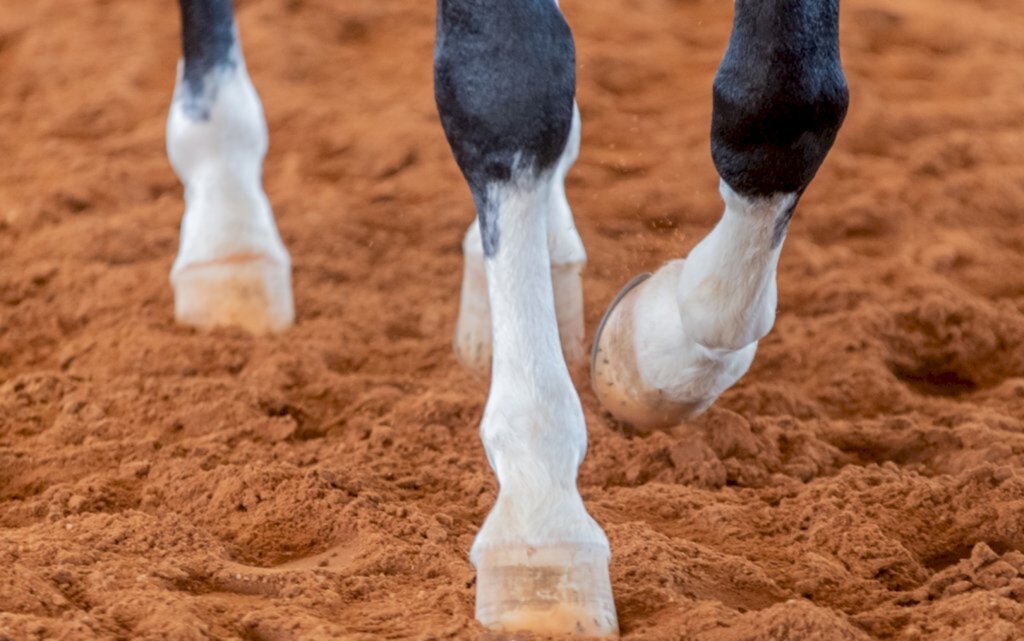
<point>473,327</point>
<point>727,292</point>
<point>676,342</point>
<point>542,561</point>
<point>231,268</point>
<point>567,258</point>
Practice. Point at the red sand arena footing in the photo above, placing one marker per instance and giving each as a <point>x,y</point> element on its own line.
<point>864,481</point>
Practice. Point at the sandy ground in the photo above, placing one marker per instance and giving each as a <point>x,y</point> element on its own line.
<point>864,481</point>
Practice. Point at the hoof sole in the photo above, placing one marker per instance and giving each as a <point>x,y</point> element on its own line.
<point>555,590</point>
<point>473,341</point>
<point>251,292</point>
<point>614,366</point>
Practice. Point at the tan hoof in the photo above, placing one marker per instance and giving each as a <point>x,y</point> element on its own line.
<point>248,291</point>
<point>554,590</point>
<point>614,367</point>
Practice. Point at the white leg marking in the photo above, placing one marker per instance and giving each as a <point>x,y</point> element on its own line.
<point>727,292</point>
<point>679,340</point>
<point>567,256</point>
<point>473,328</point>
<point>542,561</point>
<point>231,268</point>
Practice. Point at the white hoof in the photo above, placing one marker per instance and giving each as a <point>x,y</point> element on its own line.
<point>548,590</point>
<point>250,291</point>
<point>613,368</point>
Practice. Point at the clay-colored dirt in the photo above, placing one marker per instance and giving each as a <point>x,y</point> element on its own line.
<point>864,481</point>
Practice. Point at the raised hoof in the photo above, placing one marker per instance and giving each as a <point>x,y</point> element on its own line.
<point>251,291</point>
<point>553,590</point>
<point>614,367</point>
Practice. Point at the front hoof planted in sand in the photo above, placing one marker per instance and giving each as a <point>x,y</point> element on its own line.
<point>250,291</point>
<point>547,590</point>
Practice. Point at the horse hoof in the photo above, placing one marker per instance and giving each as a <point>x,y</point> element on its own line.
<point>548,590</point>
<point>249,291</point>
<point>472,343</point>
<point>615,359</point>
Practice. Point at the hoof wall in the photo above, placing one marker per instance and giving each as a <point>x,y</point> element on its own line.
<point>473,352</point>
<point>596,353</point>
<point>251,292</point>
<point>556,590</point>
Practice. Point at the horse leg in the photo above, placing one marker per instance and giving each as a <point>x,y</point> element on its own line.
<point>670,345</point>
<point>506,105</point>
<point>232,268</point>
<point>568,258</point>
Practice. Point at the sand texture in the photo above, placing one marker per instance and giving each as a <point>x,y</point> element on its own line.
<point>864,481</point>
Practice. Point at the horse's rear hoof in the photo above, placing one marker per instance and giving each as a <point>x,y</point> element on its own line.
<point>250,291</point>
<point>551,590</point>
